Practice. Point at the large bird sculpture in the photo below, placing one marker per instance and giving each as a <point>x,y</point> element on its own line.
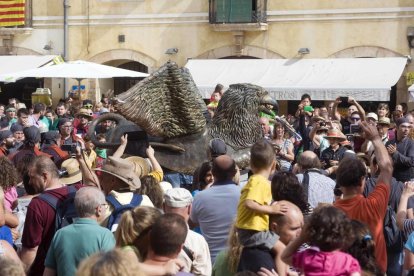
<point>169,108</point>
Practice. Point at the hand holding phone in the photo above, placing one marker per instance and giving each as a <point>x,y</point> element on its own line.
<point>344,99</point>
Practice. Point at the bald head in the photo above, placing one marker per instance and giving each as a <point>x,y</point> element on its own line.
<point>287,226</point>
<point>224,168</point>
<point>308,160</point>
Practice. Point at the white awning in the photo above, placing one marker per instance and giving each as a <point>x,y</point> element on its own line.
<point>411,93</point>
<point>287,79</point>
<point>13,64</point>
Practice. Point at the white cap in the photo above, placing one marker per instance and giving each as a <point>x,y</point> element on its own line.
<point>372,115</point>
<point>178,197</point>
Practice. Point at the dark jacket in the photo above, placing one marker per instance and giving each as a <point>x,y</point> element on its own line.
<point>403,159</point>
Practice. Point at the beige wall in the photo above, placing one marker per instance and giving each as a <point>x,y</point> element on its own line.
<point>342,28</point>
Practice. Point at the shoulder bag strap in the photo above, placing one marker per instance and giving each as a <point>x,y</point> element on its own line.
<point>305,184</point>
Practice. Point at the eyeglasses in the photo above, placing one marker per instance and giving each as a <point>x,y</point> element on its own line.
<point>355,118</point>
<point>105,205</point>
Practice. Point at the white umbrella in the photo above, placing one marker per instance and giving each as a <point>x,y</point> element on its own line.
<point>78,69</point>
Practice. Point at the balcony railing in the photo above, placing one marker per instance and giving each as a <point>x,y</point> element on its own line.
<point>237,11</point>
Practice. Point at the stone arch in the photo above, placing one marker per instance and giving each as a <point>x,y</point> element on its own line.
<point>365,51</point>
<point>119,56</point>
<point>231,50</point>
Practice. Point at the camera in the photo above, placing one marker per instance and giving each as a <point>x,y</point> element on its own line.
<point>322,124</point>
<point>69,147</point>
<point>354,129</point>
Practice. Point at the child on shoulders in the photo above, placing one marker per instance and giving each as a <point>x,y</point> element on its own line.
<point>254,206</point>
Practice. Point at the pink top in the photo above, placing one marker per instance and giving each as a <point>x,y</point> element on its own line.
<point>10,196</point>
<point>318,263</point>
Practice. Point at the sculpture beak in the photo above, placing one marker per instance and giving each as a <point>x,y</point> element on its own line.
<point>268,100</point>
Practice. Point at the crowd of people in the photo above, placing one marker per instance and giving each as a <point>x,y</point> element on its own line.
<point>325,194</point>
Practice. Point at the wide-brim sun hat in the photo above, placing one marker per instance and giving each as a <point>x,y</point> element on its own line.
<point>336,134</point>
<point>74,174</point>
<point>317,118</point>
<point>141,166</point>
<point>86,113</point>
<point>123,170</point>
<point>384,121</point>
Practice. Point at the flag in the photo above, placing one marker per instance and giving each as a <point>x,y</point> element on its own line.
<point>12,12</point>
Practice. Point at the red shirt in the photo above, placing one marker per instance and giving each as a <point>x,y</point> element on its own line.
<point>39,227</point>
<point>371,211</point>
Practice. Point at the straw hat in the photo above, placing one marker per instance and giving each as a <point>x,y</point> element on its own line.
<point>384,121</point>
<point>335,133</point>
<point>74,174</point>
<point>122,169</point>
<point>141,166</point>
<point>317,118</point>
<point>85,112</point>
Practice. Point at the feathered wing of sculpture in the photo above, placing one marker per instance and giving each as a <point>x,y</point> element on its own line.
<point>166,104</point>
<point>236,118</point>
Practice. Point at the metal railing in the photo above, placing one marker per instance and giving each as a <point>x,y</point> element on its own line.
<point>224,12</point>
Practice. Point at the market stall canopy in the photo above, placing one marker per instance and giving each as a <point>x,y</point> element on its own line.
<point>287,79</point>
<point>13,64</point>
<point>78,69</point>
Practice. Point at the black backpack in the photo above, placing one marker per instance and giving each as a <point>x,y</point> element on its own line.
<point>394,238</point>
<point>119,209</point>
<point>65,210</point>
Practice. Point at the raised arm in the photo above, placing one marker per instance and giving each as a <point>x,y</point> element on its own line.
<point>151,156</point>
<point>402,207</point>
<point>335,115</point>
<point>89,177</point>
<point>381,153</point>
<point>358,106</point>
<point>120,150</point>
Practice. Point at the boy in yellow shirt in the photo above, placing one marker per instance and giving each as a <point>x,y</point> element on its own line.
<point>254,206</point>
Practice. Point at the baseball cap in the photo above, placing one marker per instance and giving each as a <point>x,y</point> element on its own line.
<point>372,115</point>
<point>402,121</point>
<point>217,147</point>
<point>16,127</point>
<point>178,197</point>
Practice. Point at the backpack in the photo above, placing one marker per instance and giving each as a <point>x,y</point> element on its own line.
<point>65,210</point>
<point>394,238</point>
<point>119,209</point>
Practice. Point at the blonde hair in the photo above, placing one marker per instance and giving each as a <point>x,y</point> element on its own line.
<point>11,267</point>
<point>114,262</point>
<point>234,251</point>
<point>134,226</point>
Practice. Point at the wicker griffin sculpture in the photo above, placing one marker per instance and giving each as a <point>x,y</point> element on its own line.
<point>169,108</point>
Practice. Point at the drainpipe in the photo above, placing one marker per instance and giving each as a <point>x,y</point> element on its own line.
<point>65,40</point>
